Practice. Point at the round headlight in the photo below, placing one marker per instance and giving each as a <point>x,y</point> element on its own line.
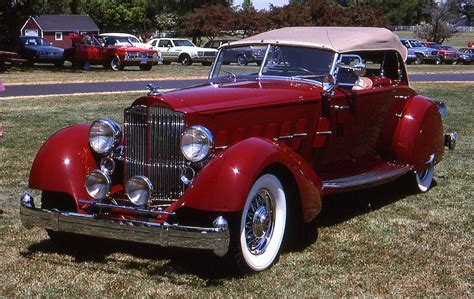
<point>98,184</point>
<point>139,189</point>
<point>104,135</point>
<point>196,143</point>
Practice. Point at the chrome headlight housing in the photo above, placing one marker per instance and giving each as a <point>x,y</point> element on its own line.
<point>139,190</point>
<point>104,135</point>
<point>196,143</point>
<point>98,184</point>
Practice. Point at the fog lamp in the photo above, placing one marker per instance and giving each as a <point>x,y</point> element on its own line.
<point>98,184</point>
<point>139,190</point>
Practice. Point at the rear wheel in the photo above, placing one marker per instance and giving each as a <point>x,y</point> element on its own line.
<point>185,59</point>
<point>241,60</point>
<point>421,181</point>
<point>262,225</point>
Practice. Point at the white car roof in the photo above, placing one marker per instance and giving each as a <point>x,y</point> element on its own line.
<point>338,39</point>
<point>117,34</point>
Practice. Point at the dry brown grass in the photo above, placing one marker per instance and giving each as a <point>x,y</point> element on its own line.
<point>377,242</point>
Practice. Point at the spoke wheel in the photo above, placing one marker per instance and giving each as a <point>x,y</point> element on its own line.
<point>262,224</point>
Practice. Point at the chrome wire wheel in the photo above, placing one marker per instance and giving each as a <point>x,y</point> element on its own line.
<point>424,179</point>
<point>263,223</point>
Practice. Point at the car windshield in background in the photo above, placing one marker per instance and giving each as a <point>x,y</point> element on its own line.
<point>416,43</point>
<point>117,41</point>
<point>281,61</point>
<point>183,43</point>
<point>133,39</point>
<point>34,41</point>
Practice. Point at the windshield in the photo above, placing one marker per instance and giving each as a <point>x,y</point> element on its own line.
<point>117,41</point>
<point>133,39</point>
<point>415,43</point>
<point>33,41</point>
<point>281,61</point>
<point>183,43</point>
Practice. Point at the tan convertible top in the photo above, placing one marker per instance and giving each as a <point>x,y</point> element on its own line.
<point>338,39</point>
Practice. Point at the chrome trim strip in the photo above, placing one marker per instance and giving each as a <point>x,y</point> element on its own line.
<point>221,147</point>
<point>324,133</point>
<point>163,234</point>
<point>134,209</point>
<point>297,135</point>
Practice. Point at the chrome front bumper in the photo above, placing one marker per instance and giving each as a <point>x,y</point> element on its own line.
<point>167,235</point>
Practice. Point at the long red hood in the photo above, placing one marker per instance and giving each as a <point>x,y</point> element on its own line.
<point>235,95</point>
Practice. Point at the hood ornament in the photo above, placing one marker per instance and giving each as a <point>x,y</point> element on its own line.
<point>153,90</point>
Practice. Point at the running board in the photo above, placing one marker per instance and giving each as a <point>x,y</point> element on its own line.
<point>383,173</point>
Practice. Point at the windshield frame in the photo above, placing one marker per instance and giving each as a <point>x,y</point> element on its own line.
<point>260,74</point>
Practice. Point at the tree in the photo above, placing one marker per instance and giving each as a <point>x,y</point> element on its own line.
<point>464,8</point>
<point>247,5</point>
<point>208,20</point>
<point>440,27</point>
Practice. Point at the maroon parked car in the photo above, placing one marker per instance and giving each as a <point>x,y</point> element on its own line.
<point>112,52</point>
<point>239,164</point>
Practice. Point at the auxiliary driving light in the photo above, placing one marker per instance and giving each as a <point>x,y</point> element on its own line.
<point>98,184</point>
<point>139,190</point>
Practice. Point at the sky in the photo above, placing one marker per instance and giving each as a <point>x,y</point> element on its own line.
<point>263,4</point>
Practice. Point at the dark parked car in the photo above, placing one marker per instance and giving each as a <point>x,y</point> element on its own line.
<point>216,43</point>
<point>238,165</point>
<point>240,55</point>
<point>466,56</point>
<point>447,54</point>
<point>37,49</point>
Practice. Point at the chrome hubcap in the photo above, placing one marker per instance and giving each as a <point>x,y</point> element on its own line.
<point>259,222</point>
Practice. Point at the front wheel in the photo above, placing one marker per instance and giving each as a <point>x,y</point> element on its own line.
<point>262,225</point>
<point>419,59</point>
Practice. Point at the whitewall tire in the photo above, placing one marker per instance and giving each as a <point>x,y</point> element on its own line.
<point>262,225</point>
<point>424,179</point>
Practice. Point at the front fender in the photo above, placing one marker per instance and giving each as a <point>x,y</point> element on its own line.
<point>419,134</point>
<point>63,162</point>
<point>223,184</point>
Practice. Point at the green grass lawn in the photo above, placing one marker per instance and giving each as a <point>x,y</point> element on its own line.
<point>377,242</point>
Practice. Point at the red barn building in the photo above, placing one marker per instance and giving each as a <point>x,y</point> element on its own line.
<point>56,28</point>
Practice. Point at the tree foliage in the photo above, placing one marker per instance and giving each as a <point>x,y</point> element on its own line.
<point>440,26</point>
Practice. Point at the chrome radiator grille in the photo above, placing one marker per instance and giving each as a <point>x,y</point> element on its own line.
<point>152,136</point>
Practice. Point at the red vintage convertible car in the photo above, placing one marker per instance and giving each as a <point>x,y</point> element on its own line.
<point>112,52</point>
<point>238,165</point>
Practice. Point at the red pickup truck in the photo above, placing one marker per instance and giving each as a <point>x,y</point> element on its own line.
<point>112,52</point>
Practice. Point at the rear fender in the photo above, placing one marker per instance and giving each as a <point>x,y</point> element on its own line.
<point>419,134</point>
<point>63,162</point>
<point>223,184</point>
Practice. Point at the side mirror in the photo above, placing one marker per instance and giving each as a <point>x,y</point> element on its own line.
<point>329,84</point>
